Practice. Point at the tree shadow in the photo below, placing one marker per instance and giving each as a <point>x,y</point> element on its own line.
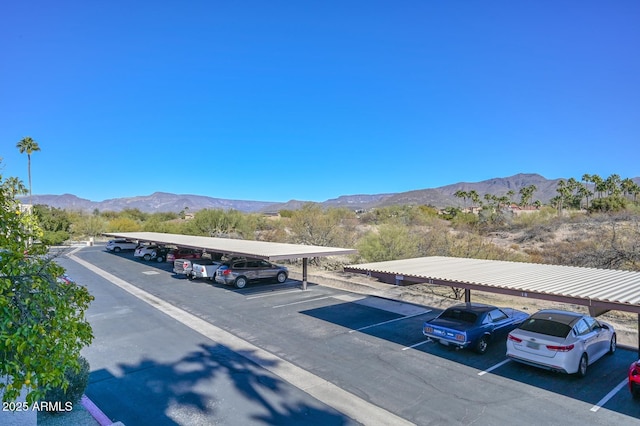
<point>212,385</point>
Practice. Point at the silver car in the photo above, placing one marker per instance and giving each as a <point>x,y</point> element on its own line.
<point>239,272</point>
<point>561,341</point>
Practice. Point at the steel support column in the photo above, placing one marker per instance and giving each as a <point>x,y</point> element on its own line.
<point>304,272</point>
<point>467,295</point>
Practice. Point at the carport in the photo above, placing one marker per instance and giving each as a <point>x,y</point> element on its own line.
<point>253,249</point>
<point>601,290</point>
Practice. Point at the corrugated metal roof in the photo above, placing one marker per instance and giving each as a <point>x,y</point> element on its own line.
<point>256,249</point>
<point>607,288</point>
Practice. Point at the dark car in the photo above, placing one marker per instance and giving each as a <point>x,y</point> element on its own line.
<point>183,253</point>
<point>472,325</point>
<point>239,272</point>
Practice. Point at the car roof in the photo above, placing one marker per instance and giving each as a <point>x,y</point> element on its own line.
<point>564,317</point>
<point>474,307</point>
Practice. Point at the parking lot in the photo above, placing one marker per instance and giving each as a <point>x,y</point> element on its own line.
<point>374,349</point>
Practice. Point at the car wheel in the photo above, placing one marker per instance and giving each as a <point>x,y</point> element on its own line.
<point>159,259</point>
<point>147,257</point>
<point>240,282</point>
<point>117,249</point>
<point>612,345</point>
<point>281,277</point>
<point>582,366</point>
<point>191,277</point>
<point>482,345</point>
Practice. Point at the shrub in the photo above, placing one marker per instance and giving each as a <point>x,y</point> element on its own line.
<point>54,238</point>
<point>78,380</point>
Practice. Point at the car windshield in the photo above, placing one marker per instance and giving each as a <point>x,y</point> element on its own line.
<point>546,327</point>
<point>460,315</point>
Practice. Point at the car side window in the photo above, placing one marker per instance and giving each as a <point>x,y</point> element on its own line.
<point>581,328</point>
<point>593,324</point>
<point>497,315</point>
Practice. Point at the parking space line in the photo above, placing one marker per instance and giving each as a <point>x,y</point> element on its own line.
<point>302,301</point>
<point>417,344</point>
<point>326,392</point>
<point>272,294</point>
<point>387,322</point>
<point>490,369</point>
<point>608,396</point>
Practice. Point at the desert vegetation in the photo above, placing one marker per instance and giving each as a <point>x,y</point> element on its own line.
<point>592,225</point>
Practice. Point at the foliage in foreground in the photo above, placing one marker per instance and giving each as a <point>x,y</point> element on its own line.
<point>42,323</point>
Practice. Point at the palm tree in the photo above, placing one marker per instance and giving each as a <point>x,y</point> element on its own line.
<point>14,187</point>
<point>462,194</point>
<point>29,146</point>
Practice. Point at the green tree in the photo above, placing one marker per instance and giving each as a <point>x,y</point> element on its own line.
<point>462,194</point>
<point>29,146</point>
<point>220,223</point>
<point>42,326</point>
<point>313,226</point>
<point>123,224</point>
<point>526,195</point>
<point>390,242</point>
<point>88,225</point>
<point>14,187</point>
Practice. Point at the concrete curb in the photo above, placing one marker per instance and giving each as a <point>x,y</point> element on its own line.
<point>97,413</point>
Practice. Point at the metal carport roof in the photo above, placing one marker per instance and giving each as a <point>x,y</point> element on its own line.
<point>599,289</point>
<point>254,249</point>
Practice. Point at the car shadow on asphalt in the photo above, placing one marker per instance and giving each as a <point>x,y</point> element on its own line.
<point>212,385</point>
<point>603,376</point>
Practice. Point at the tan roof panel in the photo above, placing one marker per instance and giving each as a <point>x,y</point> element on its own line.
<point>257,249</point>
<point>613,289</point>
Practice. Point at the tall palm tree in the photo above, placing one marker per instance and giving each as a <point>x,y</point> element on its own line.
<point>29,146</point>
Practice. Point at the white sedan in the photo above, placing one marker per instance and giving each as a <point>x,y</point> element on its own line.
<point>561,341</point>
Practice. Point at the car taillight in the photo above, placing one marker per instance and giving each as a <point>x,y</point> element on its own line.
<point>635,369</point>
<point>460,337</point>
<point>428,329</point>
<point>226,272</point>
<point>185,265</point>
<point>564,348</point>
<point>514,339</point>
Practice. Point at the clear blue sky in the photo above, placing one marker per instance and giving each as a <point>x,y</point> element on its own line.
<point>310,100</point>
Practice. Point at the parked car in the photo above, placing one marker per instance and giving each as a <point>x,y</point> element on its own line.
<point>200,269</point>
<point>118,245</point>
<point>562,341</point>
<point>64,279</point>
<point>150,252</point>
<point>472,325</point>
<point>185,266</point>
<point>239,272</point>
<point>183,253</point>
<point>634,379</point>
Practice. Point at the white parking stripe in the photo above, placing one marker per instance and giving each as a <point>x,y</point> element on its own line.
<point>273,293</point>
<point>393,320</point>
<point>417,344</point>
<point>490,369</point>
<point>608,396</point>
<point>351,405</point>
<point>301,301</point>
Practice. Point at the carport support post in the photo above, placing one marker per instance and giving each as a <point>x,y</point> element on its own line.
<point>467,295</point>
<point>304,272</point>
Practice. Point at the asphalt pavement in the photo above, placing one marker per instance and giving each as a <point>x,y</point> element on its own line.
<point>170,351</point>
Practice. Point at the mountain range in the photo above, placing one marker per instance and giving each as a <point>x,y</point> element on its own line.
<point>438,197</point>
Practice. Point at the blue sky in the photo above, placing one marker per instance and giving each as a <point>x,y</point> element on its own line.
<point>280,100</point>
